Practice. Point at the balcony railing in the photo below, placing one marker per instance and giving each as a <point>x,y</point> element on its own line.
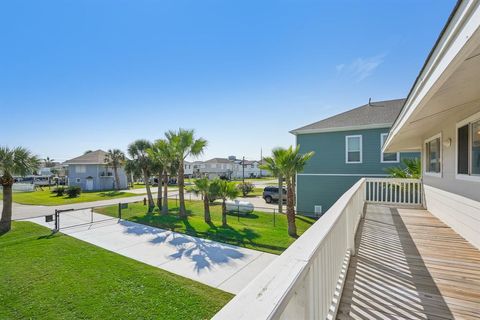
<point>306,281</point>
<point>394,191</point>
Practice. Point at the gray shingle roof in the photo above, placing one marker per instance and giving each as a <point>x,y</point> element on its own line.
<point>376,113</point>
<point>218,160</point>
<point>94,157</point>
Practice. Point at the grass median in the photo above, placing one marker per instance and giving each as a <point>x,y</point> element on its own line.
<point>257,230</point>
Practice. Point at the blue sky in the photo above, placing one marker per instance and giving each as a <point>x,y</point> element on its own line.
<point>80,75</point>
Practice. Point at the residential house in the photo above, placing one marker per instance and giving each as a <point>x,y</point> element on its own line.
<point>397,248</point>
<point>188,169</point>
<point>347,147</point>
<point>90,172</point>
<point>217,168</point>
<point>247,169</point>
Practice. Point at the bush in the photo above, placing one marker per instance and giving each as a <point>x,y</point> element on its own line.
<point>59,191</point>
<point>245,188</point>
<point>73,191</point>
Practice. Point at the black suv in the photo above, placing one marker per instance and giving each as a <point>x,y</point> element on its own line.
<point>271,194</point>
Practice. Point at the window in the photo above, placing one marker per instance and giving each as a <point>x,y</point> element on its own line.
<point>80,169</point>
<point>387,157</point>
<point>433,155</point>
<point>468,147</point>
<point>353,148</point>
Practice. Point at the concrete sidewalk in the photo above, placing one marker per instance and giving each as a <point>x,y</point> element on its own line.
<point>219,265</point>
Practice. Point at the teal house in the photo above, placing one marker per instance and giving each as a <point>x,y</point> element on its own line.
<point>347,147</point>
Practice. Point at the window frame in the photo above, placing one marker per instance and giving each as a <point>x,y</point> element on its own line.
<point>361,149</point>
<point>382,153</point>
<point>428,173</point>
<point>468,121</point>
<point>78,166</point>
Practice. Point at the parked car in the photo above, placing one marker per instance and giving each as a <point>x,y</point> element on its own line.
<point>271,194</point>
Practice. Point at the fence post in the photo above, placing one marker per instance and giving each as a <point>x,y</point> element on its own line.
<point>238,213</point>
<point>57,223</point>
<point>91,215</point>
<point>119,210</point>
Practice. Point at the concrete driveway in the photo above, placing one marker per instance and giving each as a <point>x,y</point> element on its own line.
<point>218,265</point>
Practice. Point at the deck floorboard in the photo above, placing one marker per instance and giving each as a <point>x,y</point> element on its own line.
<point>410,265</point>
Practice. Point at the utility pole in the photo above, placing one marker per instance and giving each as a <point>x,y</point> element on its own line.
<point>243,171</point>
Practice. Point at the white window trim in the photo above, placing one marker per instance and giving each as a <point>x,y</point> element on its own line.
<point>459,176</point>
<point>361,149</point>
<point>425,172</point>
<point>78,166</point>
<point>381,153</point>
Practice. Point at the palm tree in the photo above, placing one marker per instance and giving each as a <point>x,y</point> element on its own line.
<point>289,162</point>
<point>205,188</point>
<point>225,190</point>
<point>184,144</point>
<point>162,154</point>
<point>49,163</point>
<point>411,169</point>
<point>138,152</point>
<point>133,170</point>
<point>17,161</point>
<point>115,159</point>
<point>271,165</point>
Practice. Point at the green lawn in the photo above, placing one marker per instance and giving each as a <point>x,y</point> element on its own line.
<point>47,198</point>
<point>255,231</point>
<point>59,277</point>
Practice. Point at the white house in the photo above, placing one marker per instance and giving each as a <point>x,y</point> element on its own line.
<point>441,117</point>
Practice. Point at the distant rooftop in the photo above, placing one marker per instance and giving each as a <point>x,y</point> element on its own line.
<point>375,114</point>
<point>93,157</point>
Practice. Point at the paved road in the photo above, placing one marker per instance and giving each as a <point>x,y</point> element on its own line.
<point>219,265</point>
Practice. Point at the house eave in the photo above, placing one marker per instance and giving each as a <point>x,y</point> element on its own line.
<point>449,52</point>
<point>338,129</point>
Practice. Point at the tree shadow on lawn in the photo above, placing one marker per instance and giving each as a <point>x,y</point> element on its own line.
<point>205,254</point>
<point>241,237</point>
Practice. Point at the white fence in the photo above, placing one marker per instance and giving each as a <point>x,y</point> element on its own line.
<point>303,283</point>
<point>22,187</point>
<point>394,191</point>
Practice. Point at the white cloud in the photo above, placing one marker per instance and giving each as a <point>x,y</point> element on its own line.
<point>360,68</point>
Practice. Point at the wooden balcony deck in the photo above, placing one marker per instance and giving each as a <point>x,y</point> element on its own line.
<point>410,265</point>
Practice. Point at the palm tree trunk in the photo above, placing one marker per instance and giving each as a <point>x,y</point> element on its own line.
<point>181,187</point>
<point>206,209</point>
<point>117,178</point>
<point>224,213</point>
<point>165,193</point>
<point>159,191</point>
<point>292,227</point>
<point>280,194</point>
<point>151,204</point>
<point>6,220</point>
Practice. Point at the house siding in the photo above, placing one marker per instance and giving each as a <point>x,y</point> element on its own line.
<point>94,171</point>
<point>326,176</point>
<point>454,201</point>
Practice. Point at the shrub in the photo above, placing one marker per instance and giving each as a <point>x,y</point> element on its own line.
<point>245,188</point>
<point>73,191</point>
<point>59,191</point>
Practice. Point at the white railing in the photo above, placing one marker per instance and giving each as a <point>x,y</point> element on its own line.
<point>394,191</point>
<point>306,281</point>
